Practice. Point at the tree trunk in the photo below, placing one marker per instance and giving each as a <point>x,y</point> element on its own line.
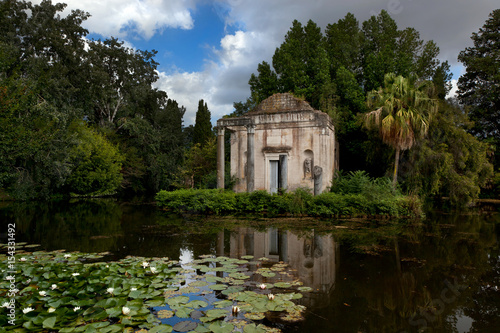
<point>396,165</point>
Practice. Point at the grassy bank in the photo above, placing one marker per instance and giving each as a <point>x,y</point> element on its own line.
<point>297,203</point>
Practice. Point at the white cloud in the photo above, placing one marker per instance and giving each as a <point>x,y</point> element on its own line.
<point>221,83</point>
<point>454,88</point>
<point>142,17</point>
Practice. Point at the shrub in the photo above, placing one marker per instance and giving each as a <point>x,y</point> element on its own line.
<point>299,202</point>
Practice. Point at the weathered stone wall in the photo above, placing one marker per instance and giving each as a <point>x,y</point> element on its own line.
<point>283,125</point>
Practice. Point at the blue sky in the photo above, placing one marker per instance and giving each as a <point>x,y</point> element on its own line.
<point>207,49</point>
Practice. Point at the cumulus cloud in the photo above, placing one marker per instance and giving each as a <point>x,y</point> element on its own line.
<point>144,18</point>
<point>257,27</point>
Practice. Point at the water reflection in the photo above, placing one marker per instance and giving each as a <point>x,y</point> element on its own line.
<point>312,256</point>
<point>367,277</point>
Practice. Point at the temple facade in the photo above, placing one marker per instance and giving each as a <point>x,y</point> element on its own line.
<point>283,144</point>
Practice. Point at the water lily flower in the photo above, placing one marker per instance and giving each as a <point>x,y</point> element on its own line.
<point>54,286</point>
<point>125,310</point>
<point>271,297</point>
<point>262,286</point>
<point>5,304</point>
<point>23,259</point>
<point>133,289</point>
<point>145,264</point>
<point>153,270</point>
<point>76,308</point>
<point>67,255</point>
<point>42,293</point>
<point>235,309</point>
<point>75,274</point>
<point>51,309</point>
<point>110,290</point>
<point>28,309</point>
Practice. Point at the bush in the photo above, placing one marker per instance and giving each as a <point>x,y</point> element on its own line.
<point>299,202</point>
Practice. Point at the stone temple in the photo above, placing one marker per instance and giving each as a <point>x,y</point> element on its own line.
<point>283,144</point>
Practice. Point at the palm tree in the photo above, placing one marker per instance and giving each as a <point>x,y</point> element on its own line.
<point>402,114</point>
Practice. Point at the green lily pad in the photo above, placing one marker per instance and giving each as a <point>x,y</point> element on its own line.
<point>305,289</point>
<point>282,285</point>
<point>178,300</point>
<point>163,328</point>
<point>252,328</point>
<point>218,287</point>
<point>221,327</point>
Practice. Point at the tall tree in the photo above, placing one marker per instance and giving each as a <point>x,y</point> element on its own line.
<point>301,62</point>
<point>203,126</point>
<point>449,161</point>
<point>402,115</point>
<point>119,79</point>
<point>344,41</point>
<point>479,87</point>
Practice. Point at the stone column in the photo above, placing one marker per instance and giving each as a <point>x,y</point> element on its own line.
<point>283,172</point>
<point>220,157</point>
<point>250,157</point>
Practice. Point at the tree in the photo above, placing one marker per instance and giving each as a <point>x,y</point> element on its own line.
<point>402,115</point>
<point>479,87</point>
<point>96,164</point>
<point>202,131</point>
<point>119,79</point>
<point>449,161</point>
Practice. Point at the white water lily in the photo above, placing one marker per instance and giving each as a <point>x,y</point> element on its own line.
<point>125,310</point>
<point>145,264</point>
<point>5,304</point>
<point>23,259</point>
<point>110,290</point>
<point>42,293</point>
<point>271,297</point>
<point>235,309</point>
<point>153,270</point>
<point>75,274</point>
<point>262,286</point>
<point>76,308</point>
<point>54,286</point>
<point>28,309</point>
<point>133,289</point>
<point>67,255</point>
<point>51,309</point>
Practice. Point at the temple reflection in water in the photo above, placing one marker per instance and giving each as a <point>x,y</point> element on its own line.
<point>312,257</point>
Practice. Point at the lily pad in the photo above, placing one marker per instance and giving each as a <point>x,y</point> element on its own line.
<point>218,287</point>
<point>185,326</point>
<point>221,327</point>
<point>255,315</point>
<point>282,285</point>
<point>165,314</point>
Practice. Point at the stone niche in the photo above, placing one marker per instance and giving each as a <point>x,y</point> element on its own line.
<point>283,144</point>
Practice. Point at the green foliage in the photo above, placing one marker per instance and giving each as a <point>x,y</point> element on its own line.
<point>402,113</point>
<point>299,202</point>
<point>96,164</point>
<point>200,166</point>
<point>202,132</point>
<point>51,76</point>
<point>449,162</point>
<point>479,87</point>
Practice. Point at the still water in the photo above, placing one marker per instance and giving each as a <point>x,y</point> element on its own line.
<point>439,275</point>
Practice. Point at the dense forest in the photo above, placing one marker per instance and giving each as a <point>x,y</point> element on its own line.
<point>82,117</point>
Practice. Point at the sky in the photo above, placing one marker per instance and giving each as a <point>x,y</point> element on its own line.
<point>207,49</point>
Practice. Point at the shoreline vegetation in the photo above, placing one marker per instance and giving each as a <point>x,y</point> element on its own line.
<point>354,194</point>
<point>297,203</point>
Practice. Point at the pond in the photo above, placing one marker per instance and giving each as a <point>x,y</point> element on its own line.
<point>441,274</point>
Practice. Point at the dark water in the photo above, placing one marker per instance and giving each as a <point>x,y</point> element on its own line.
<point>440,275</point>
